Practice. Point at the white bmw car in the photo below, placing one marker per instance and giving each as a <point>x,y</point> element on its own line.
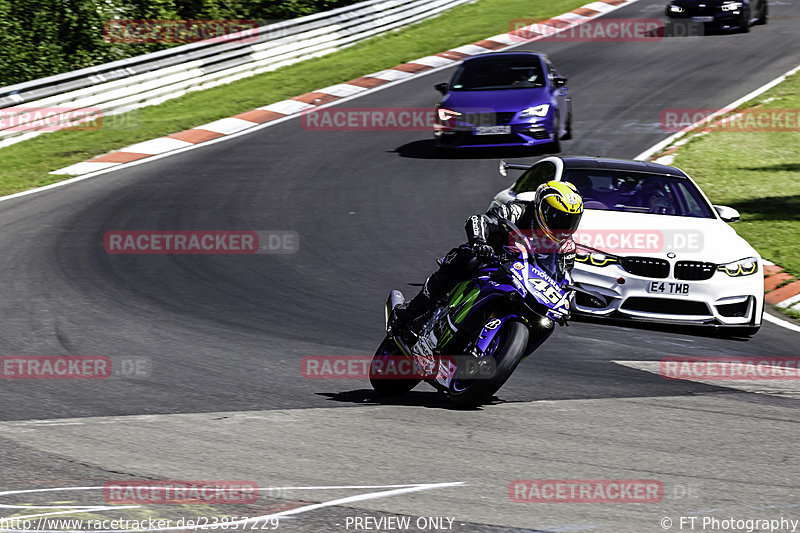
<point>651,246</point>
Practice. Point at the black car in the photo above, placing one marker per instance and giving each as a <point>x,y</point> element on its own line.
<point>718,14</point>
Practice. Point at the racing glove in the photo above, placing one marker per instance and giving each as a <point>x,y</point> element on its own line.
<point>484,252</point>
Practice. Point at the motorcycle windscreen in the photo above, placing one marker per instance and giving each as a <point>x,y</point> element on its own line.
<point>552,264</point>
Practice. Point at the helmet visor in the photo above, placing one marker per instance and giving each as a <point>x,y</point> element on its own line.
<point>559,222</point>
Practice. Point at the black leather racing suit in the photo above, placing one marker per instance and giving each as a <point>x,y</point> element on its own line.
<point>486,229</point>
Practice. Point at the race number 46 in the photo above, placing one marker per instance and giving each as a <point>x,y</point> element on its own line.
<point>547,290</point>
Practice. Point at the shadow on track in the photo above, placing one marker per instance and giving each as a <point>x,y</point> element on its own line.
<point>429,399</point>
<point>682,329</point>
<point>426,149</point>
<point>681,29</point>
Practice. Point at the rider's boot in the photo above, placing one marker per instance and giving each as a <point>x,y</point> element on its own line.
<point>404,318</point>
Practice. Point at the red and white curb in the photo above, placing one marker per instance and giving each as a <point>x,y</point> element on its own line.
<point>321,97</point>
<point>782,289</point>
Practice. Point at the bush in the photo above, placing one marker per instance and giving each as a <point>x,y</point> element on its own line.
<point>41,38</point>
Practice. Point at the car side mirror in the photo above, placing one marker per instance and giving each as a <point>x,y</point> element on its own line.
<point>727,214</point>
<point>441,87</point>
<point>559,82</point>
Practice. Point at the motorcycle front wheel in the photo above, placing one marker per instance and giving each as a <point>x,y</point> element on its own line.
<point>507,351</point>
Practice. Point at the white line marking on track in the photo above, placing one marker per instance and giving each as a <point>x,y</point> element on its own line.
<point>669,140</point>
<point>394,490</point>
<point>84,167</point>
<point>59,513</point>
<point>782,323</point>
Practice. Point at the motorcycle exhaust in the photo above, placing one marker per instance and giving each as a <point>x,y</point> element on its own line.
<point>395,298</point>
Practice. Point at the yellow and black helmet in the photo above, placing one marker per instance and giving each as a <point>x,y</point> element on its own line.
<point>558,209</point>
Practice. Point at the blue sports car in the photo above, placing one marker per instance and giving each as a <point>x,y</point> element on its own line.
<point>504,99</point>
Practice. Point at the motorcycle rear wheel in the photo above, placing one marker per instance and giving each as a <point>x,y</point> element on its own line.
<point>388,386</point>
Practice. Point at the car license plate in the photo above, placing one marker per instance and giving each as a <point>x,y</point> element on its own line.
<point>668,287</point>
<point>492,130</point>
<point>702,19</point>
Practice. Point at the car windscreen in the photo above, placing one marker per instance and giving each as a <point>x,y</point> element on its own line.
<point>634,192</point>
<point>499,74</point>
<point>539,173</point>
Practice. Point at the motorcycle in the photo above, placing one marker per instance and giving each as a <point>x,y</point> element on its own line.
<point>475,337</point>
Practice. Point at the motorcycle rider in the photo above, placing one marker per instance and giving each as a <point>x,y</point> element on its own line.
<point>551,215</point>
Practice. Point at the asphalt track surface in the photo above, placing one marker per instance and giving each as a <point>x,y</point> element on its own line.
<point>224,335</point>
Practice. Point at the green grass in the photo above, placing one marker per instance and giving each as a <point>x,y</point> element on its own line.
<point>26,164</point>
<point>757,173</point>
<point>791,313</point>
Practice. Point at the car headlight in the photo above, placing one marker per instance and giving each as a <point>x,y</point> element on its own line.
<point>676,9</point>
<point>596,259</point>
<point>538,111</point>
<point>731,5</point>
<point>742,267</point>
<point>447,114</point>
